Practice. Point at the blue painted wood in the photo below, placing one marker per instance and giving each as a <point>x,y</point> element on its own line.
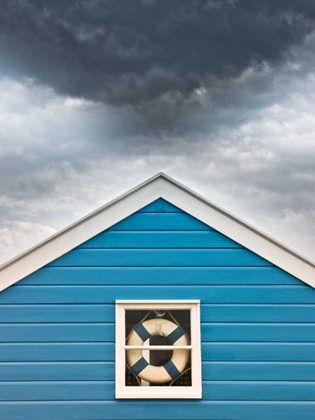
<point>257,325</point>
<point>259,391</point>
<point>160,240</point>
<point>294,352</point>
<point>57,391</point>
<point>159,258</point>
<point>106,332</point>
<point>50,352</point>
<point>57,371</point>
<point>258,371</point>
<point>106,313</point>
<point>160,221</point>
<point>104,371</point>
<point>258,313</point>
<point>57,332</point>
<point>151,410</point>
<point>161,275</point>
<point>56,313</point>
<point>160,206</point>
<point>98,352</point>
<point>257,332</point>
<point>100,390</point>
<point>103,294</point>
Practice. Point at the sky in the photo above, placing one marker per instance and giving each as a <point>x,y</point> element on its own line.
<point>97,96</point>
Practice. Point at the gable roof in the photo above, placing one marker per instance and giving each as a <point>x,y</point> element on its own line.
<point>159,186</point>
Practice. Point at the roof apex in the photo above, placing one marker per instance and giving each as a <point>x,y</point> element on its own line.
<point>158,186</point>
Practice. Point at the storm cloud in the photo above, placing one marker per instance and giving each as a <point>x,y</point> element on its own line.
<point>137,52</point>
<point>96,96</point>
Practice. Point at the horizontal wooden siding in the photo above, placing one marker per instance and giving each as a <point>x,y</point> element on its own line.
<point>257,326</point>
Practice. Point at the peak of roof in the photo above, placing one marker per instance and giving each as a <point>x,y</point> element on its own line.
<point>158,186</point>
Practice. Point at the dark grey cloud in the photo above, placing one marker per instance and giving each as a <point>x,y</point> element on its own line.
<point>96,96</point>
<point>137,53</point>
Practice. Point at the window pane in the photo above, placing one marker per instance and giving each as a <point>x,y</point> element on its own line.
<point>180,317</point>
<point>159,357</point>
<point>158,328</point>
<point>167,372</point>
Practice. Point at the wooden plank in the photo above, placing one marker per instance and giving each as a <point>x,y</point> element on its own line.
<point>257,332</point>
<point>258,371</point>
<point>159,258</point>
<point>160,221</point>
<point>259,391</point>
<point>28,333</point>
<point>160,240</point>
<point>100,390</point>
<point>50,352</point>
<point>57,313</point>
<point>104,371</point>
<point>94,332</point>
<point>160,206</point>
<point>161,275</point>
<point>258,313</point>
<point>57,371</point>
<point>214,294</point>
<point>106,313</point>
<point>155,410</point>
<point>57,391</point>
<point>97,352</point>
<point>259,352</point>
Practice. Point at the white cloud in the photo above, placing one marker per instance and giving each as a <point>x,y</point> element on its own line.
<point>19,235</point>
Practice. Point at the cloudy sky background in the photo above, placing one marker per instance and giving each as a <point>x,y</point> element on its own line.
<point>97,96</point>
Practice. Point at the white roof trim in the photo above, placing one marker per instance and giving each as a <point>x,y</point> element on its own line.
<point>159,186</point>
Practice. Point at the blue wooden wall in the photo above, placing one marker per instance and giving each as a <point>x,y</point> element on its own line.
<point>258,326</point>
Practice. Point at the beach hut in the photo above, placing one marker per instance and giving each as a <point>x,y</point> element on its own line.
<point>159,305</point>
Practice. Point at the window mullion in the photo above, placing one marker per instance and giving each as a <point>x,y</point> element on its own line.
<point>158,347</point>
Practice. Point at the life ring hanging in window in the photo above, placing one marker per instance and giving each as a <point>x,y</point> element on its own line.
<point>176,337</point>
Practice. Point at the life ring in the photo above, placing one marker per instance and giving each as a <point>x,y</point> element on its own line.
<point>176,337</point>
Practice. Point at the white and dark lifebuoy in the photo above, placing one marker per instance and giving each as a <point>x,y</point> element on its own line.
<point>176,337</point>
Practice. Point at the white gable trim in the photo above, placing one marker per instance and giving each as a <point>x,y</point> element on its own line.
<point>160,186</point>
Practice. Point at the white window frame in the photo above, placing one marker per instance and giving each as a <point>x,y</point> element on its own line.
<point>167,392</point>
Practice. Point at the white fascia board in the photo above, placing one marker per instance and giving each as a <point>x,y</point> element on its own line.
<point>159,186</point>
<point>64,241</point>
<point>239,231</point>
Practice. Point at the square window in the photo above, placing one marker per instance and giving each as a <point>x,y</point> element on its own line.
<point>158,349</point>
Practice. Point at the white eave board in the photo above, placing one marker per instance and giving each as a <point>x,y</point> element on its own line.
<point>159,186</point>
